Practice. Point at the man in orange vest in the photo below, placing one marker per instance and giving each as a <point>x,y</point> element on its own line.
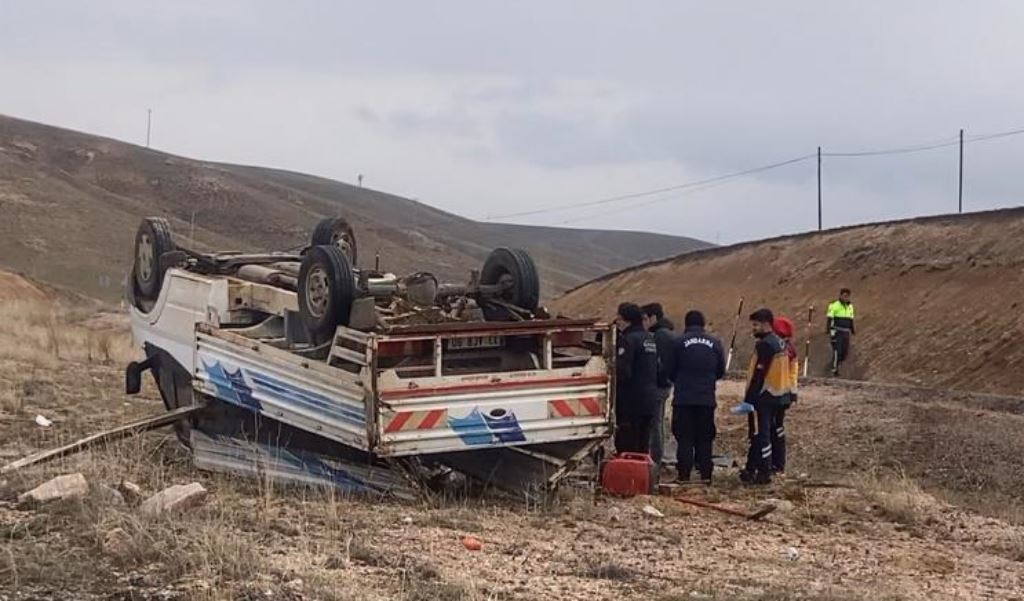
<point>769,386</point>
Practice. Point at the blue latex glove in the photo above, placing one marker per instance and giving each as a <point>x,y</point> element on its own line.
<point>742,409</point>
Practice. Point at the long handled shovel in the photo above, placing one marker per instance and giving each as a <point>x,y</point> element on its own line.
<point>732,342</point>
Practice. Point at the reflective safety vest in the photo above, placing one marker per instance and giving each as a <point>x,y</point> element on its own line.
<point>780,381</point>
<point>840,316</point>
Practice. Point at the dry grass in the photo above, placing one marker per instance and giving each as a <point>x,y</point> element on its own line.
<point>607,570</point>
<point>45,334</point>
<point>896,497</point>
<point>1014,547</point>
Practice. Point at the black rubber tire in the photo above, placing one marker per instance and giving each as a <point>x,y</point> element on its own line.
<point>152,240</point>
<point>327,288</point>
<point>335,231</point>
<point>517,264</point>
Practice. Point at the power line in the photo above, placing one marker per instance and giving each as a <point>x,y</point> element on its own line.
<point>700,185</point>
<point>633,195</point>
<point>1003,134</point>
<point>904,150</point>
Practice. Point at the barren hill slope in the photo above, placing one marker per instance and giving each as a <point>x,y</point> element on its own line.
<point>938,299</point>
<point>71,201</point>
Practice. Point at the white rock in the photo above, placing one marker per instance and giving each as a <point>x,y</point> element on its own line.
<point>42,422</point>
<point>407,520</point>
<point>174,498</point>
<point>69,486</point>
<point>792,553</point>
<point>781,505</point>
<point>652,511</point>
<point>109,495</point>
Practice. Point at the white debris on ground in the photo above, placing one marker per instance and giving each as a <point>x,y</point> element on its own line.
<point>179,497</point>
<point>68,486</point>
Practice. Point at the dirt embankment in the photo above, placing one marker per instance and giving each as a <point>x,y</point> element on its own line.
<point>938,300</point>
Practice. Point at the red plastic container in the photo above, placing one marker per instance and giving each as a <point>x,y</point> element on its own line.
<point>628,475</point>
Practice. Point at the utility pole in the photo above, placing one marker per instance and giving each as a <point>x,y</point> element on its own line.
<point>960,195</point>
<point>819,188</point>
<point>149,124</point>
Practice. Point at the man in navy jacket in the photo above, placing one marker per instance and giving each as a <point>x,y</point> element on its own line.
<point>636,377</point>
<point>698,364</point>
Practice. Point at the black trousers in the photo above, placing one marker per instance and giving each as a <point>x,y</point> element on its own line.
<point>778,439</point>
<point>694,429</point>
<point>840,348</point>
<point>633,434</point>
<point>760,423</point>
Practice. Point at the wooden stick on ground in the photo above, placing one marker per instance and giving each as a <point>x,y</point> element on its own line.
<point>757,515</point>
<point>145,424</point>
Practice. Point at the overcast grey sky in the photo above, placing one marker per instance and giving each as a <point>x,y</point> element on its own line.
<point>487,108</point>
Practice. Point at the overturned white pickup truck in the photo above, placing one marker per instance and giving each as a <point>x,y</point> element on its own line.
<point>311,370</point>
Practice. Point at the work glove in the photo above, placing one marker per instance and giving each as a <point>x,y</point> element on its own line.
<point>742,409</point>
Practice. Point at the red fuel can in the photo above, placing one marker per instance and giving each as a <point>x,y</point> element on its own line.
<point>628,475</point>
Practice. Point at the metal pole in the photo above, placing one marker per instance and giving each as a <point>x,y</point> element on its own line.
<point>960,195</point>
<point>149,123</point>
<point>819,188</point>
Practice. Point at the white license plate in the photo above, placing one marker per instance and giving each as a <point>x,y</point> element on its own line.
<point>475,342</point>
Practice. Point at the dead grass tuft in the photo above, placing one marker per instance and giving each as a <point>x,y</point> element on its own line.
<point>1014,550</point>
<point>607,570</point>
<point>437,591</point>
<point>44,334</point>
<point>896,497</point>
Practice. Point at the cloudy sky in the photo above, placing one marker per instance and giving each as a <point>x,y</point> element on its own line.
<point>490,108</point>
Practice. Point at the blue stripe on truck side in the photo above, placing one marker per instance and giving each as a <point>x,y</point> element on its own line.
<point>233,388</point>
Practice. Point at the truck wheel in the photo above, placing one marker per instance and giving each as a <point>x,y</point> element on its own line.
<point>152,240</point>
<point>326,291</point>
<point>514,267</point>
<point>337,232</point>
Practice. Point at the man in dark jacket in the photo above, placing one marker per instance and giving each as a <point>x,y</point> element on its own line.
<point>659,325</point>
<point>636,374</point>
<point>698,364</point>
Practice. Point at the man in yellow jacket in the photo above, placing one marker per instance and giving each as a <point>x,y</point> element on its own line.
<point>840,328</point>
<point>769,388</point>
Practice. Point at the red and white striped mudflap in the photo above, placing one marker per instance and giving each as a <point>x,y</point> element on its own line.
<point>404,421</point>
<point>587,406</point>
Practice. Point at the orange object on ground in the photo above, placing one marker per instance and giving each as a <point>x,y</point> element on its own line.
<point>628,475</point>
<point>472,543</point>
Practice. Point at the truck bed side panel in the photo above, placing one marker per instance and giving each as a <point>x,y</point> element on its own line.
<point>284,387</point>
<point>522,408</point>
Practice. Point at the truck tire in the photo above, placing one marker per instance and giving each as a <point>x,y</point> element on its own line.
<point>326,290</point>
<point>152,240</point>
<point>516,267</point>
<point>337,232</point>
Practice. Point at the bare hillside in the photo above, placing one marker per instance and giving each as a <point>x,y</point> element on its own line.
<point>71,202</point>
<point>938,299</point>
